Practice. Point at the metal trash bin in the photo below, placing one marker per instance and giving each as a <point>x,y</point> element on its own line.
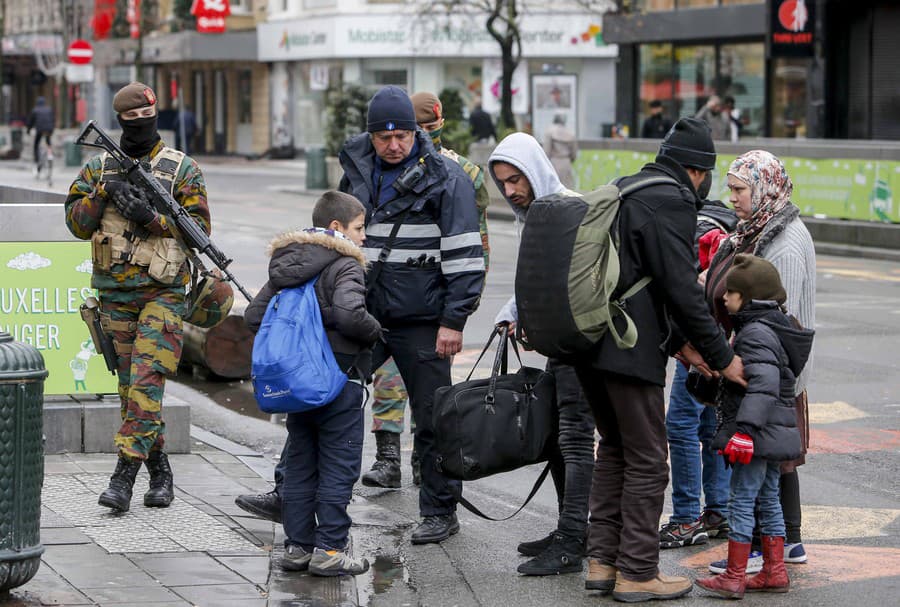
<point>73,153</point>
<point>22,375</point>
<point>316,176</point>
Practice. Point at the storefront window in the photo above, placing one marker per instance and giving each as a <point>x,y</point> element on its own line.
<point>788,97</point>
<point>670,5</point>
<point>655,78</point>
<point>742,76</point>
<point>694,69</point>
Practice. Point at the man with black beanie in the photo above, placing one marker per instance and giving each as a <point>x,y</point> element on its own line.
<point>625,387</point>
<point>140,271</point>
<point>425,278</point>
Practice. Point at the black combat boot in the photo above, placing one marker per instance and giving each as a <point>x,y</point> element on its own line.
<point>385,471</point>
<point>118,495</point>
<point>160,494</point>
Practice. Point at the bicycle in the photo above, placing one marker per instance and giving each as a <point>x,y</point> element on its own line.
<point>44,159</point>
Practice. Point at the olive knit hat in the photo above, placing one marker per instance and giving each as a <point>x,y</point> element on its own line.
<point>755,278</point>
<point>133,96</point>
<point>428,107</point>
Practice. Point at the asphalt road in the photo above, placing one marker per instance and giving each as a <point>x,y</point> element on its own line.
<point>849,487</point>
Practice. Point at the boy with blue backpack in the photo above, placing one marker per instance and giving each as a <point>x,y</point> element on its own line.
<point>324,452</point>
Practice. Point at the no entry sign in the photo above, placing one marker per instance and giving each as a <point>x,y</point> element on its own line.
<point>80,52</point>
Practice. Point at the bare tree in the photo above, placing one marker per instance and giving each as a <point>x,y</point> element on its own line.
<point>502,20</point>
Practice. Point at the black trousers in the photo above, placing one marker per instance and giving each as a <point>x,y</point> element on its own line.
<point>423,372</point>
<point>572,456</point>
<point>630,472</point>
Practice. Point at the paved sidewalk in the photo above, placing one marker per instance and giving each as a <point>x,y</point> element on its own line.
<point>202,550</point>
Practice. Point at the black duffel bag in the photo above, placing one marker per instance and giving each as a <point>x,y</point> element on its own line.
<point>487,426</point>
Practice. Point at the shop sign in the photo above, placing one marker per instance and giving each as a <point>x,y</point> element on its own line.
<point>42,286</point>
<point>791,28</point>
<point>211,15</point>
<point>351,36</point>
<point>491,74</point>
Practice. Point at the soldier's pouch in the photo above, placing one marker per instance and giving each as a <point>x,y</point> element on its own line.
<point>101,251</point>
<point>169,346</point>
<point>168,257</point>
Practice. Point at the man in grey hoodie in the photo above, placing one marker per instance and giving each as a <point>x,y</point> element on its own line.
<point>523,173</point>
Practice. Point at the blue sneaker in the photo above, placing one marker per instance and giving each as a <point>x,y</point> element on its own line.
<point>754,564</point>
<point>794,553</point>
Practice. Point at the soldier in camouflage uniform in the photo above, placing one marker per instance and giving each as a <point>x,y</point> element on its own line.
<point>140,271</point>
<point>390,396</point>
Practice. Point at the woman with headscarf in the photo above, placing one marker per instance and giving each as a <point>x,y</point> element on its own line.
<point>770,227</point>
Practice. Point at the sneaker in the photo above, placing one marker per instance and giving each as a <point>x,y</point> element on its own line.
<point>536,547</point>
<point>754,563</point>
<point>676,535</point>
<point>563,555</point>
<point>794,553</point>
<point>715,524</point>
<point>330,563</point>
<point>295,558</point>
<point>264,505</point>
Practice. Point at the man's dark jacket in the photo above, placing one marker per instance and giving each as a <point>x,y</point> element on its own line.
<point>41,119</point>
<point>656,239</point>
<point>436,269</point>
<point>774,353</point>
<point>655,127</point>
<point>298,257</point>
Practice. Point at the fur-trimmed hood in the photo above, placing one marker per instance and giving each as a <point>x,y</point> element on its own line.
<point>300,255</point>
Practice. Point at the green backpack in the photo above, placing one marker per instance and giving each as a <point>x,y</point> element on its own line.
<point>568,268</point>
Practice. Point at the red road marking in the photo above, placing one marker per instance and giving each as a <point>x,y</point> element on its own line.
<point>852,440</point>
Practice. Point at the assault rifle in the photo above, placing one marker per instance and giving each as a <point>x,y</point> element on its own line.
<point>181,224</point>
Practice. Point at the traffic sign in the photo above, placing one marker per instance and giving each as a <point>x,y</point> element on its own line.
<point>80,52</point>
<point>77,74</point>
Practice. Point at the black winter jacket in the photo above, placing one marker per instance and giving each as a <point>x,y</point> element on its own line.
<point>774,352</point>
<point>41,118</point>
<point>435,271</point>
<point>298,257</point>
<point>656,239</point>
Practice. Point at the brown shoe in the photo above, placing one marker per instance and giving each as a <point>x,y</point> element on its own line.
<point>661,587</point>
<point>600,577</point>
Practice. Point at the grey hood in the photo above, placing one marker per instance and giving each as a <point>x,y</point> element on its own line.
<point>525,153</point>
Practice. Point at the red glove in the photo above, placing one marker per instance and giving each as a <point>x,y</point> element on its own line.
<point>739,449</point>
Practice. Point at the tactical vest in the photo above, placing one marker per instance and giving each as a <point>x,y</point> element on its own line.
<point>122,241</point>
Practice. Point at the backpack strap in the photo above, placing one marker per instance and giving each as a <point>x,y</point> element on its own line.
<point>386,250</point>
<point>645,183</point>
<point>534,489</point>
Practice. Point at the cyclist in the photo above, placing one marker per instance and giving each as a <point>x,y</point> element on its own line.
<point>43,121</point>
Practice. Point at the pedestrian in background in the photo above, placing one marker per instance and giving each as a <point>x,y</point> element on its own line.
<point>481,124</point>
<point>758,427</point>
<point>523,173</point>
<point>713,115</point>
<point>562,149</point>
<point>770,227</point>
<point>43,121</point>
<point>142,301</point>
<point>656,125</point>
<point>324,447</point>
<point>185,128</point>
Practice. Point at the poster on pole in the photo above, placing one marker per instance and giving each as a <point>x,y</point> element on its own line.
<point>553,95</point>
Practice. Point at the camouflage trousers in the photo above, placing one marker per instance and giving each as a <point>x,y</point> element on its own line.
<point>390,398</point>
<point>146,326</point>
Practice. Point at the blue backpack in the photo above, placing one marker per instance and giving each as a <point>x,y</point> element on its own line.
<point>293,367</point>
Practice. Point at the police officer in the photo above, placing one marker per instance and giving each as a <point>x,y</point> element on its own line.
<point>389,392</point>
<point>140,271</point>
<point>431,279</point>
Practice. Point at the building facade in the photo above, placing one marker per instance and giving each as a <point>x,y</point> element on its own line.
<point>796,68</point>
<point>312,45</point>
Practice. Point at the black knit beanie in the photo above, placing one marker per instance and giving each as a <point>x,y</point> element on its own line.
<point>390,109</point>
<point>755,278</point>
<point>689,143</point>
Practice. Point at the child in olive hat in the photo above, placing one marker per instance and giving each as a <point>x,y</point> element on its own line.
<point>757,425</point>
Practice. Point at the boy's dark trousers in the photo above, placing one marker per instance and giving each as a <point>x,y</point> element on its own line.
<point>324,456</point>
<point>412,346</point>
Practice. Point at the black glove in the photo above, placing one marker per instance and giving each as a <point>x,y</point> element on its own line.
<point>131,202</point>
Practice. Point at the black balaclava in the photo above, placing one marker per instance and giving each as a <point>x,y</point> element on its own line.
<point>705,186</point>
<point>138,135</point>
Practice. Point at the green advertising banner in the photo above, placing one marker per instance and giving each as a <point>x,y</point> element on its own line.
<point>837,188</point>
<point>42,285</point>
